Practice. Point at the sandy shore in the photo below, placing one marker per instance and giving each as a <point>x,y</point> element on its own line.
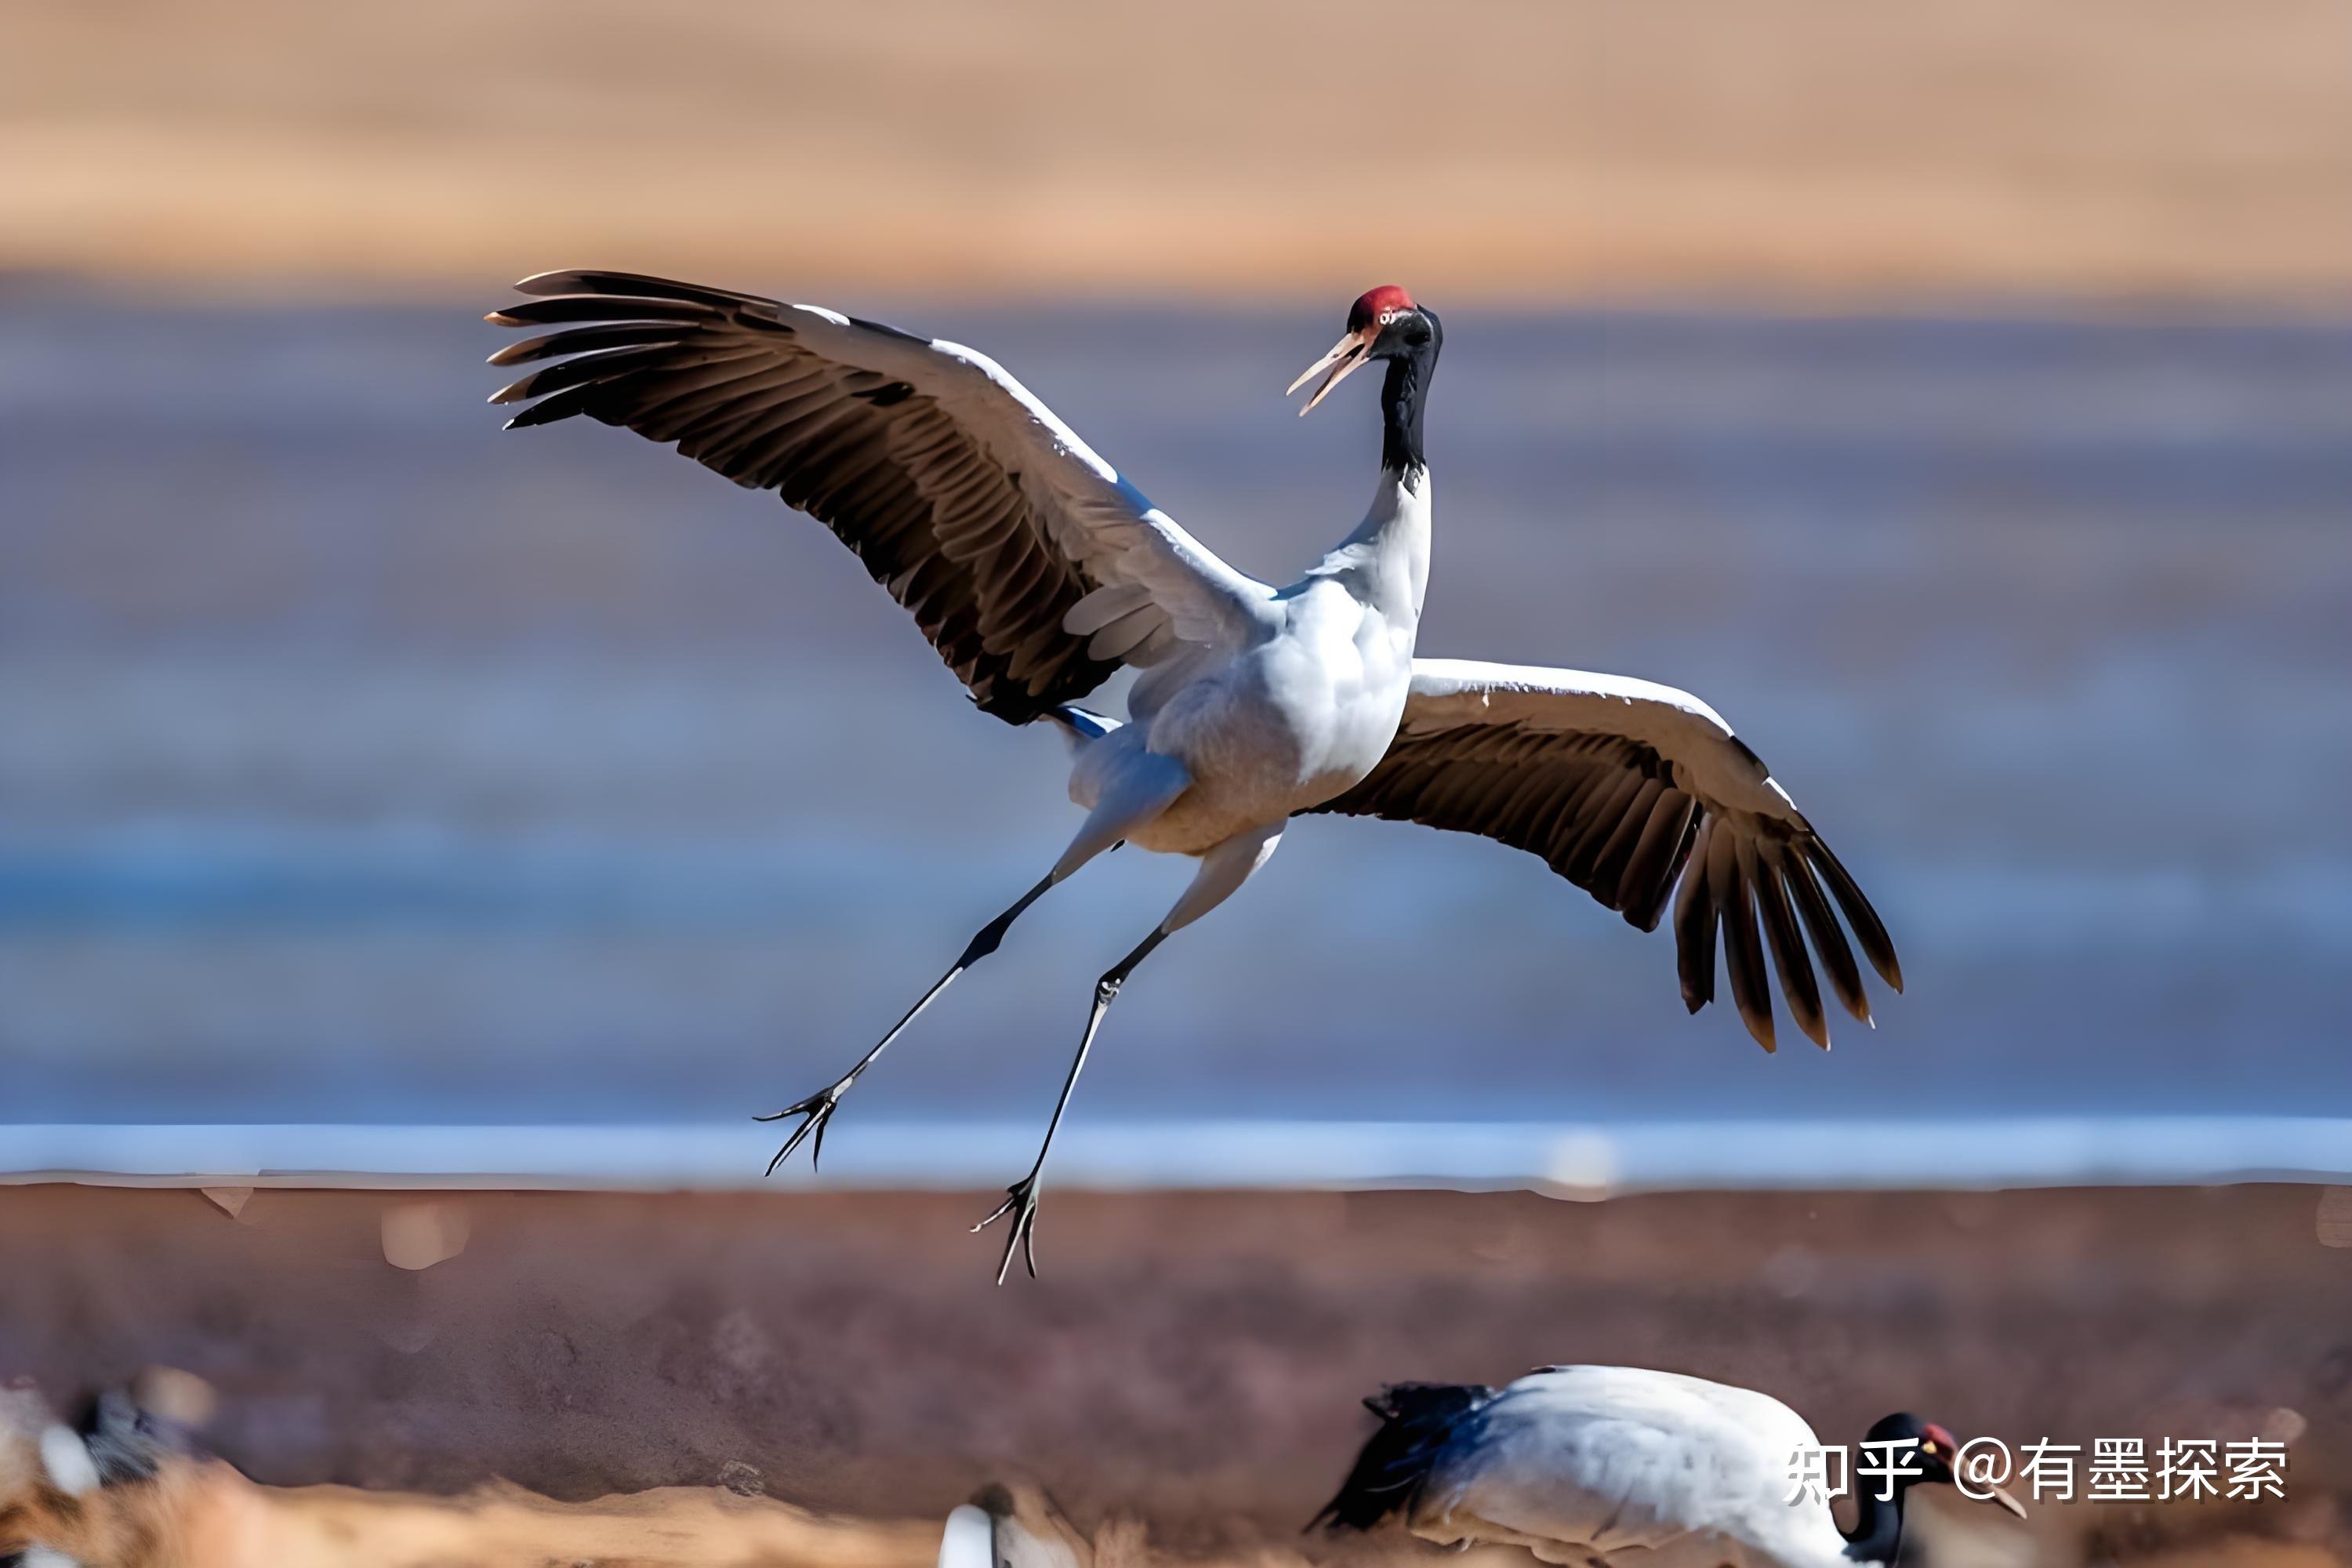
<point>1191,1362</point>
<point>1509,148</point>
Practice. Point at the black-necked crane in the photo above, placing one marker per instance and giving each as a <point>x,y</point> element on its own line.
<point>1614,1465</point>
<point>1037,572</point>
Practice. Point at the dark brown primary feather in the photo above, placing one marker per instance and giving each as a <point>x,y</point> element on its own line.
<point>1608,814</point>
<point>1787,945</point>
<point>1731,873</point>
<point>937,521</point>
<point>1828,939</point>
<point>1695,926</point>
<point>1876,945</point>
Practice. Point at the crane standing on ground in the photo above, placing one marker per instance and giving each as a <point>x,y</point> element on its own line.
<point>1037,572</point>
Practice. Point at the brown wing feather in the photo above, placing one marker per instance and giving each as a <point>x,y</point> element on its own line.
<point>943,528</point>
<point>1787,945</point>
<point>1608,814</point>
<point>1580,806</point>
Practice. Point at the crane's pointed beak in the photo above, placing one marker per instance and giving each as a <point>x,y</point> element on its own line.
<point>1997,1494</point>
<point>1346,356</point>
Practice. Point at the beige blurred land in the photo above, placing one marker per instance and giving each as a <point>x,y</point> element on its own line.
<point>1533,150</point>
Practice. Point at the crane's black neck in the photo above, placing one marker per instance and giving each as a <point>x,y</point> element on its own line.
<point>1403,398</point>
<point>1877,1533</point>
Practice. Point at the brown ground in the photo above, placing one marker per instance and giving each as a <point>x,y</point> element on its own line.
<point>1519,148</point>
<point>1192,1361</point>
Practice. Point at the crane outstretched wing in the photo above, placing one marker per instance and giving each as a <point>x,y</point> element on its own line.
<point>1626,788</point>
<point>1029,564</point>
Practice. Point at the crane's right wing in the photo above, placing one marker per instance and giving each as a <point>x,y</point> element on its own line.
<point>1626,788</point>
<point>1032,566</point>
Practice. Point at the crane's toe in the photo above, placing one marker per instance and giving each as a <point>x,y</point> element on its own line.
<point>815,1111</point>
<point>1021,1203</point>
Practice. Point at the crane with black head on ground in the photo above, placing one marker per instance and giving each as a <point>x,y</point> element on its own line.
<point>1598,1465</point>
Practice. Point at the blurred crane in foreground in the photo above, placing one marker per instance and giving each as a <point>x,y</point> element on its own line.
<point>1596,1465</point>
<point>1037,572</point>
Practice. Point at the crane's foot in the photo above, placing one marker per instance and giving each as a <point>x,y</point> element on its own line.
<point>814,1112</point>
<point>1021,1203</point>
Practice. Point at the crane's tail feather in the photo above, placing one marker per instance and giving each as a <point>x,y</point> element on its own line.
<point>1419,1421</point>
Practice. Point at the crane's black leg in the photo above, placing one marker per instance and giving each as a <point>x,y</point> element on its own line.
<point>818,1108</point>
<point>1020,1197</point>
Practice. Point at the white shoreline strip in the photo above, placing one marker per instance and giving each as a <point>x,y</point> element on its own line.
<point>1569,1159</point>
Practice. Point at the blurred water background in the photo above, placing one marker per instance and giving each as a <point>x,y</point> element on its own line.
<point>1957,396</point>
<point>359,763</point>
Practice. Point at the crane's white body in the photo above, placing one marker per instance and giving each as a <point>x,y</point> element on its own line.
<point>1612,1465</point>
<point>1299,707</point>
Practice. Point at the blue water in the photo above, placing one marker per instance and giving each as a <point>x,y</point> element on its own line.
<point>1571,1160</point>
<point>359,763</point>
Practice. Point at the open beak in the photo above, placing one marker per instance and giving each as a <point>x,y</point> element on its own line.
<point>1350,352</point>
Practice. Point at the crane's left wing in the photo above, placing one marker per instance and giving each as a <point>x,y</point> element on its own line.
<point>1626,788</point>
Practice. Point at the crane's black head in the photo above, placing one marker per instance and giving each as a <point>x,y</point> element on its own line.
<point>1922,1454</point>
<point>1933,1453</point>
<point>1382,325</point>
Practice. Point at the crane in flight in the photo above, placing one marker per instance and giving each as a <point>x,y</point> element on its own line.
<point>1038,571</point>
<point>1600,1465</point>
